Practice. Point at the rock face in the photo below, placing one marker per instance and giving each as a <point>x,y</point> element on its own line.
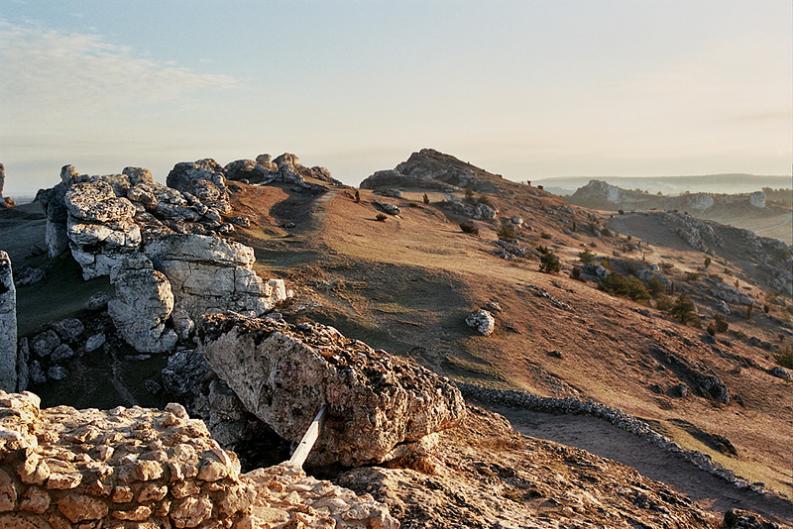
<point>203,179</point>
<point>67,468</point>
<point>284,373</point>
<point>211,273</point>
<point>100,227</point>
<point>757,199</point>
<point>478,211</point>
<point>142,305</point>
<point>482,322</point>
<point>8,325</point>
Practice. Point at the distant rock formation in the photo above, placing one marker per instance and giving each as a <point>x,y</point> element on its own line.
<point>286,169</point>
<point>378,405</point>
<point>430,169</point>
<point>8,325</point>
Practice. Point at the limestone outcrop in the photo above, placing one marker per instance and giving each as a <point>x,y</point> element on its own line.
<point>141,306</point>
<point>210,273</point>
<point>100,227</point>
<point>283,373</point>
<point>8,325</point>
<point>203,179</point>
<point>5,202</point>
<point>285,168</point>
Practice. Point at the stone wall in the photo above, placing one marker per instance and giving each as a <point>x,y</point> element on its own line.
<point>62,468</point>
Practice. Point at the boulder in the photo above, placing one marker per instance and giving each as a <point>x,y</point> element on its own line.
<point>8,325</point>
<point>28,275</point>
<point>208,273</point>
<point>203,179</point>
<point>44,343</point>
<point>482,322</point>
<point>69,330</point>
<point>141,305</point>
<point>284,373</point>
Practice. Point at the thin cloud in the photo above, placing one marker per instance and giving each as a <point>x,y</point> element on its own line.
<point>53,74</point>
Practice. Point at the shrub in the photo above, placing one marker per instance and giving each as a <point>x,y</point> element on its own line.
<point>626,286</point>
<point>663,302</point>
<point>469,227</point>
<point>717,325</point>
<point>621,212</point>
<point>549,262</point>
<point>655,286</point>
<point>381,217</point>
<point>692,276</point>
<point>785,356</point>
<point>749,308</point>
<point>605,232</point>
<point>766,308</point>
<point>507,231</point>
<point>545,235</point>
<point>575,273</point>
<point>707,262</point>
<point>683,309</point>
<point>426,199</point>
<point>357,196</point>
<point>586,256</point>
<point>483,199</point>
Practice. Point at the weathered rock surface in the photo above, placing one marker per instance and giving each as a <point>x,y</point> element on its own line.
<point>284,373</point>
<point>141,306</point>
<point>67,468</point>
<point>482,322</point>
<point>203,179</point>
<point>211,273</point>
<point>8,325</point>
<point>322,504</point>
<point>5,202</point>
<point>100,227</point>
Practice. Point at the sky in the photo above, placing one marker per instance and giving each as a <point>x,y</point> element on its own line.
<point>525,88</point>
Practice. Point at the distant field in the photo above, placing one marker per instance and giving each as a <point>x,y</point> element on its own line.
<point>673,185</point>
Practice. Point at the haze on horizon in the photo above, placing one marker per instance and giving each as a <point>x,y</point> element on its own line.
<point>526,89</point>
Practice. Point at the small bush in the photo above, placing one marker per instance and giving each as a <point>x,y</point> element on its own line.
<point>692,276</point>
<point>426,199</point>
<point>507,231</point>
<point>707,262</point>
<point>357,196</point>
<point>605,232</point>
<point>655,286</point>
<point>621,212</point>
<point>469,228</point>
<point>575,273</point>
<point>663,302</point>
<point>785,356</point>
<point>625,286</point>
<point>683,309</point>
<point>381,217</point>
<point>549,262</point>
<point>545,235</point>
<point>469,194</point>
<point>586,256</point>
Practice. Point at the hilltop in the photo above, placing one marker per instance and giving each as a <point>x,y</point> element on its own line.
<point>417,304</point>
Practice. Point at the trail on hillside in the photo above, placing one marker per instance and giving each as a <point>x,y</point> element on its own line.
<point>604,439</point>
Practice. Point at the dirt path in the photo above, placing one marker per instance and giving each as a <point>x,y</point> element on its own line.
<point>603,439</point>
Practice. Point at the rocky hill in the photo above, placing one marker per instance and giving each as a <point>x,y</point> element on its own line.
<point>750,210</point>
<point>410,311</point>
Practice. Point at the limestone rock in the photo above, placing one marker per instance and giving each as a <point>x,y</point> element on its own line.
<point>8,325</point>
<point>482,322</point>
<point>203,179</point>
<point>100,227</point>
<point>283,373</point>
<point>208,273</point>
<point>141,305</point>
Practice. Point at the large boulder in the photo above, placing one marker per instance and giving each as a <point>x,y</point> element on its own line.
<point>8,325</point>
<point>377,404</point>
<point>208,272</point>
<point>141,306</point>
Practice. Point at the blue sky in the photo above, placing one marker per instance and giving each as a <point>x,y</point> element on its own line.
<point>526,88</point>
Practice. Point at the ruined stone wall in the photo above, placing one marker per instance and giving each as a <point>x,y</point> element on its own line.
<point>63,468</point>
